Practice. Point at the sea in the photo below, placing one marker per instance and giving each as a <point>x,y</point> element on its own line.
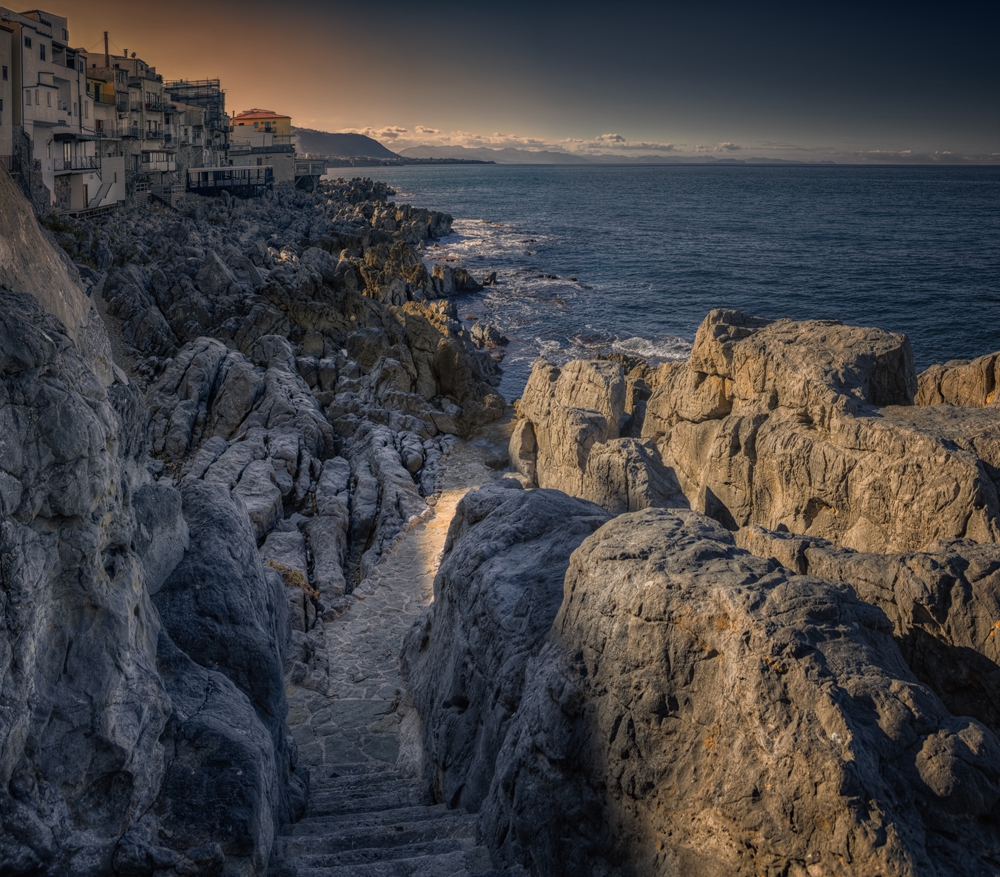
<point>597,259</point>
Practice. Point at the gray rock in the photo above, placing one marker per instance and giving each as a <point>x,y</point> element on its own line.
<point>226,615</point>
<point>824,740</point>
<point>497,592</point>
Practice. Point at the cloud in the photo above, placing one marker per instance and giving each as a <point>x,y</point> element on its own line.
<point>420,129</point>
<point>388,133</point>
<point>616,143</point>
<point>726,146</point>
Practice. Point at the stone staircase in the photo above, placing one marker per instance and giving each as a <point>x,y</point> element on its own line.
<point>362,822</point>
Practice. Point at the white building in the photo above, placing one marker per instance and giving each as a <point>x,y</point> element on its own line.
<point>52,108</point>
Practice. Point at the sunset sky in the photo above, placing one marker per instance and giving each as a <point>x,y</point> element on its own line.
<point>784,80</point>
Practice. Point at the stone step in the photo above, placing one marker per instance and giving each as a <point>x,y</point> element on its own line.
<point>452,864</point>
<point>340,804</point>
<point>311,825</point>
<point>328,779</point>
<point>371,855</point>
<point>375,786</point>
<point>393,834</point>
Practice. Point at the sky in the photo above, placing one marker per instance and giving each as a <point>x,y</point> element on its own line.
<point>864,83</point>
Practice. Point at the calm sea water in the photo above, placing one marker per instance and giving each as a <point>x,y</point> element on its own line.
<point>594,259</point>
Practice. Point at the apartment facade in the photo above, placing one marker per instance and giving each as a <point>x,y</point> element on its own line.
<point>261,138</point>
<point>6,95</point>
<point>53,110</point>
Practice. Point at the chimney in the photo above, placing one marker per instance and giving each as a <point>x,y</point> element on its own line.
<point>107,57</point>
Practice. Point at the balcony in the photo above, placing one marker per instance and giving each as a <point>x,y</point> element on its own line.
<point>165,165</point>
<point>136,106</point>
<point>79,163</point>
<point>104,99</point>
<point>130,131</point>
<point>153,106</point>
<point>106,134</point>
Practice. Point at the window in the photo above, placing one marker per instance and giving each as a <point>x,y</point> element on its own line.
<point>74,108</point>
<point>5,73</point>
<point>86,110</point>
<point>27,42</point>
<point>65,34</point>
<point>36,97</point>
<point>41,51</point>
<point>48,98</point>
<point>260,162</point>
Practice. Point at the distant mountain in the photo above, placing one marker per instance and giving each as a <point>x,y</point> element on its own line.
<point>341,145</point>
<point>511,155</point>
<point>507,155</point>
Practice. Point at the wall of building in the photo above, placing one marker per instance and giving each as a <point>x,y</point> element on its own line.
<point>6,95</point>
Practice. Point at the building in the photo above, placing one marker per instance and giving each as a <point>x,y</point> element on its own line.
<point>209,95</point>
<point>6,95</point>
<point>263,138</point>
<point>53,117</point>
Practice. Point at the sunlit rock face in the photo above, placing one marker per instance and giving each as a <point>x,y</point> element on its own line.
<point>694,710</point>
<point>809,426</point>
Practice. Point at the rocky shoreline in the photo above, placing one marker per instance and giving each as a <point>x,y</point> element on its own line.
<point>728,616</point>
<point>175,538</point>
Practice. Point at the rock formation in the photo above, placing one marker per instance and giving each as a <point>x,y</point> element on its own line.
<point>694,709</point>
<point>570,437</point>
<point>168,567</point>
<point>495,597</point>
<point>708,712</point>
<point>809,426</point>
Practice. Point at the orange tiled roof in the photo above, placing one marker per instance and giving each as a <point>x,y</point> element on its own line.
<point>260,114</point>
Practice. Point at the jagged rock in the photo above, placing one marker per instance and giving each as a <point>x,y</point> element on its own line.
<point>809,426</point>
<point>966,384</point>
<point>944,606</point>
<point>497,592</point>
<point>83,704</point>
<point>700,711</point>
<point>285,552</point>
<point>485,335</point>
<point>221,609</point>
<point>385,497</point>
<point>626,475</point>
<point>568,438</point>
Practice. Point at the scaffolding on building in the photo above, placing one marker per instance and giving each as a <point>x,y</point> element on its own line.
<point>205,93</point>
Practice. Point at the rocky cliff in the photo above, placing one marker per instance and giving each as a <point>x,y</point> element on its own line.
<point>121,751</point>
<point>175,532</point>
<point>777,658</point>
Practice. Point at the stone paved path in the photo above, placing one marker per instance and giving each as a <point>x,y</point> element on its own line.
<point>367,813</point>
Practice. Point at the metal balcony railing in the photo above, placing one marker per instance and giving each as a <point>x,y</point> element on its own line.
<point>80,163</point>
<point>104,98</point>
<point>130,131</point>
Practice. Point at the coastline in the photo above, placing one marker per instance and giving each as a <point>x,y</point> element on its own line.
<point>759,582</point>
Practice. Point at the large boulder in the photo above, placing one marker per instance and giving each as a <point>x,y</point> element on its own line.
<point>701,711</point>
<point>497,592</point>
<point>223,611</point>
<point>569,437</point>
<point>811,426</point>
